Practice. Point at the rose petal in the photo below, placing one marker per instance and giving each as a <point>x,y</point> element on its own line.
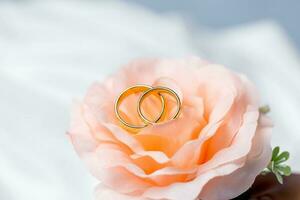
<point>189,190</point>
<point>104,193</point>
<point>239,147</point>
<point>239,181</point>
<point>79,132</point>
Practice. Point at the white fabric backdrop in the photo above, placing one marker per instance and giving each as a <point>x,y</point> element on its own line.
<point>51,52</point>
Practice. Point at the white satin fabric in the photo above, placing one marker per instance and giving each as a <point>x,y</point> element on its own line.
<point>51,52</point>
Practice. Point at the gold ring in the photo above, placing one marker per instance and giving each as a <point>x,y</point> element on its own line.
<point>159,90</point>
<point>132,90</point>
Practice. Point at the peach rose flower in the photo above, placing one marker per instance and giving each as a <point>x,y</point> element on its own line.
<point>213,150</point>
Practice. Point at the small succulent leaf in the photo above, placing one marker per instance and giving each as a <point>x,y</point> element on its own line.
<point>265,172</point>
<point>275,165</point>
<point>264,109</point>
<point>285,170</point>
<point>272,166</point>
<point>279,177</point>
<point>284,156</point>
<point>275,152</point>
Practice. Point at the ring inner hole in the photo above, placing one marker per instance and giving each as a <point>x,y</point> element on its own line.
<point>152,106</point>
<point>170,106</point>
<point>128,111</point>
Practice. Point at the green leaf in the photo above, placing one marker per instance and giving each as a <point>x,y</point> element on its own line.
<point>284,156</point>
<point>271,166</point>
<point>279,177</point>
<point>264,109</point>
<point>285,170</point>
<point>275,165</point>
<point>265,172</point>
<point>275,152</point>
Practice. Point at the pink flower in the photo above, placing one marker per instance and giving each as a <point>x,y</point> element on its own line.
<point>214,150</point>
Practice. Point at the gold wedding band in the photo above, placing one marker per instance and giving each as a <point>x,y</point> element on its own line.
<point>146,91</point>
<point>158,90</point>
<point>133,90</point>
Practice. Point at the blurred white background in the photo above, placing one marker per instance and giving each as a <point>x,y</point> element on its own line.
<point>218,14</point>
<point>51,51</point>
